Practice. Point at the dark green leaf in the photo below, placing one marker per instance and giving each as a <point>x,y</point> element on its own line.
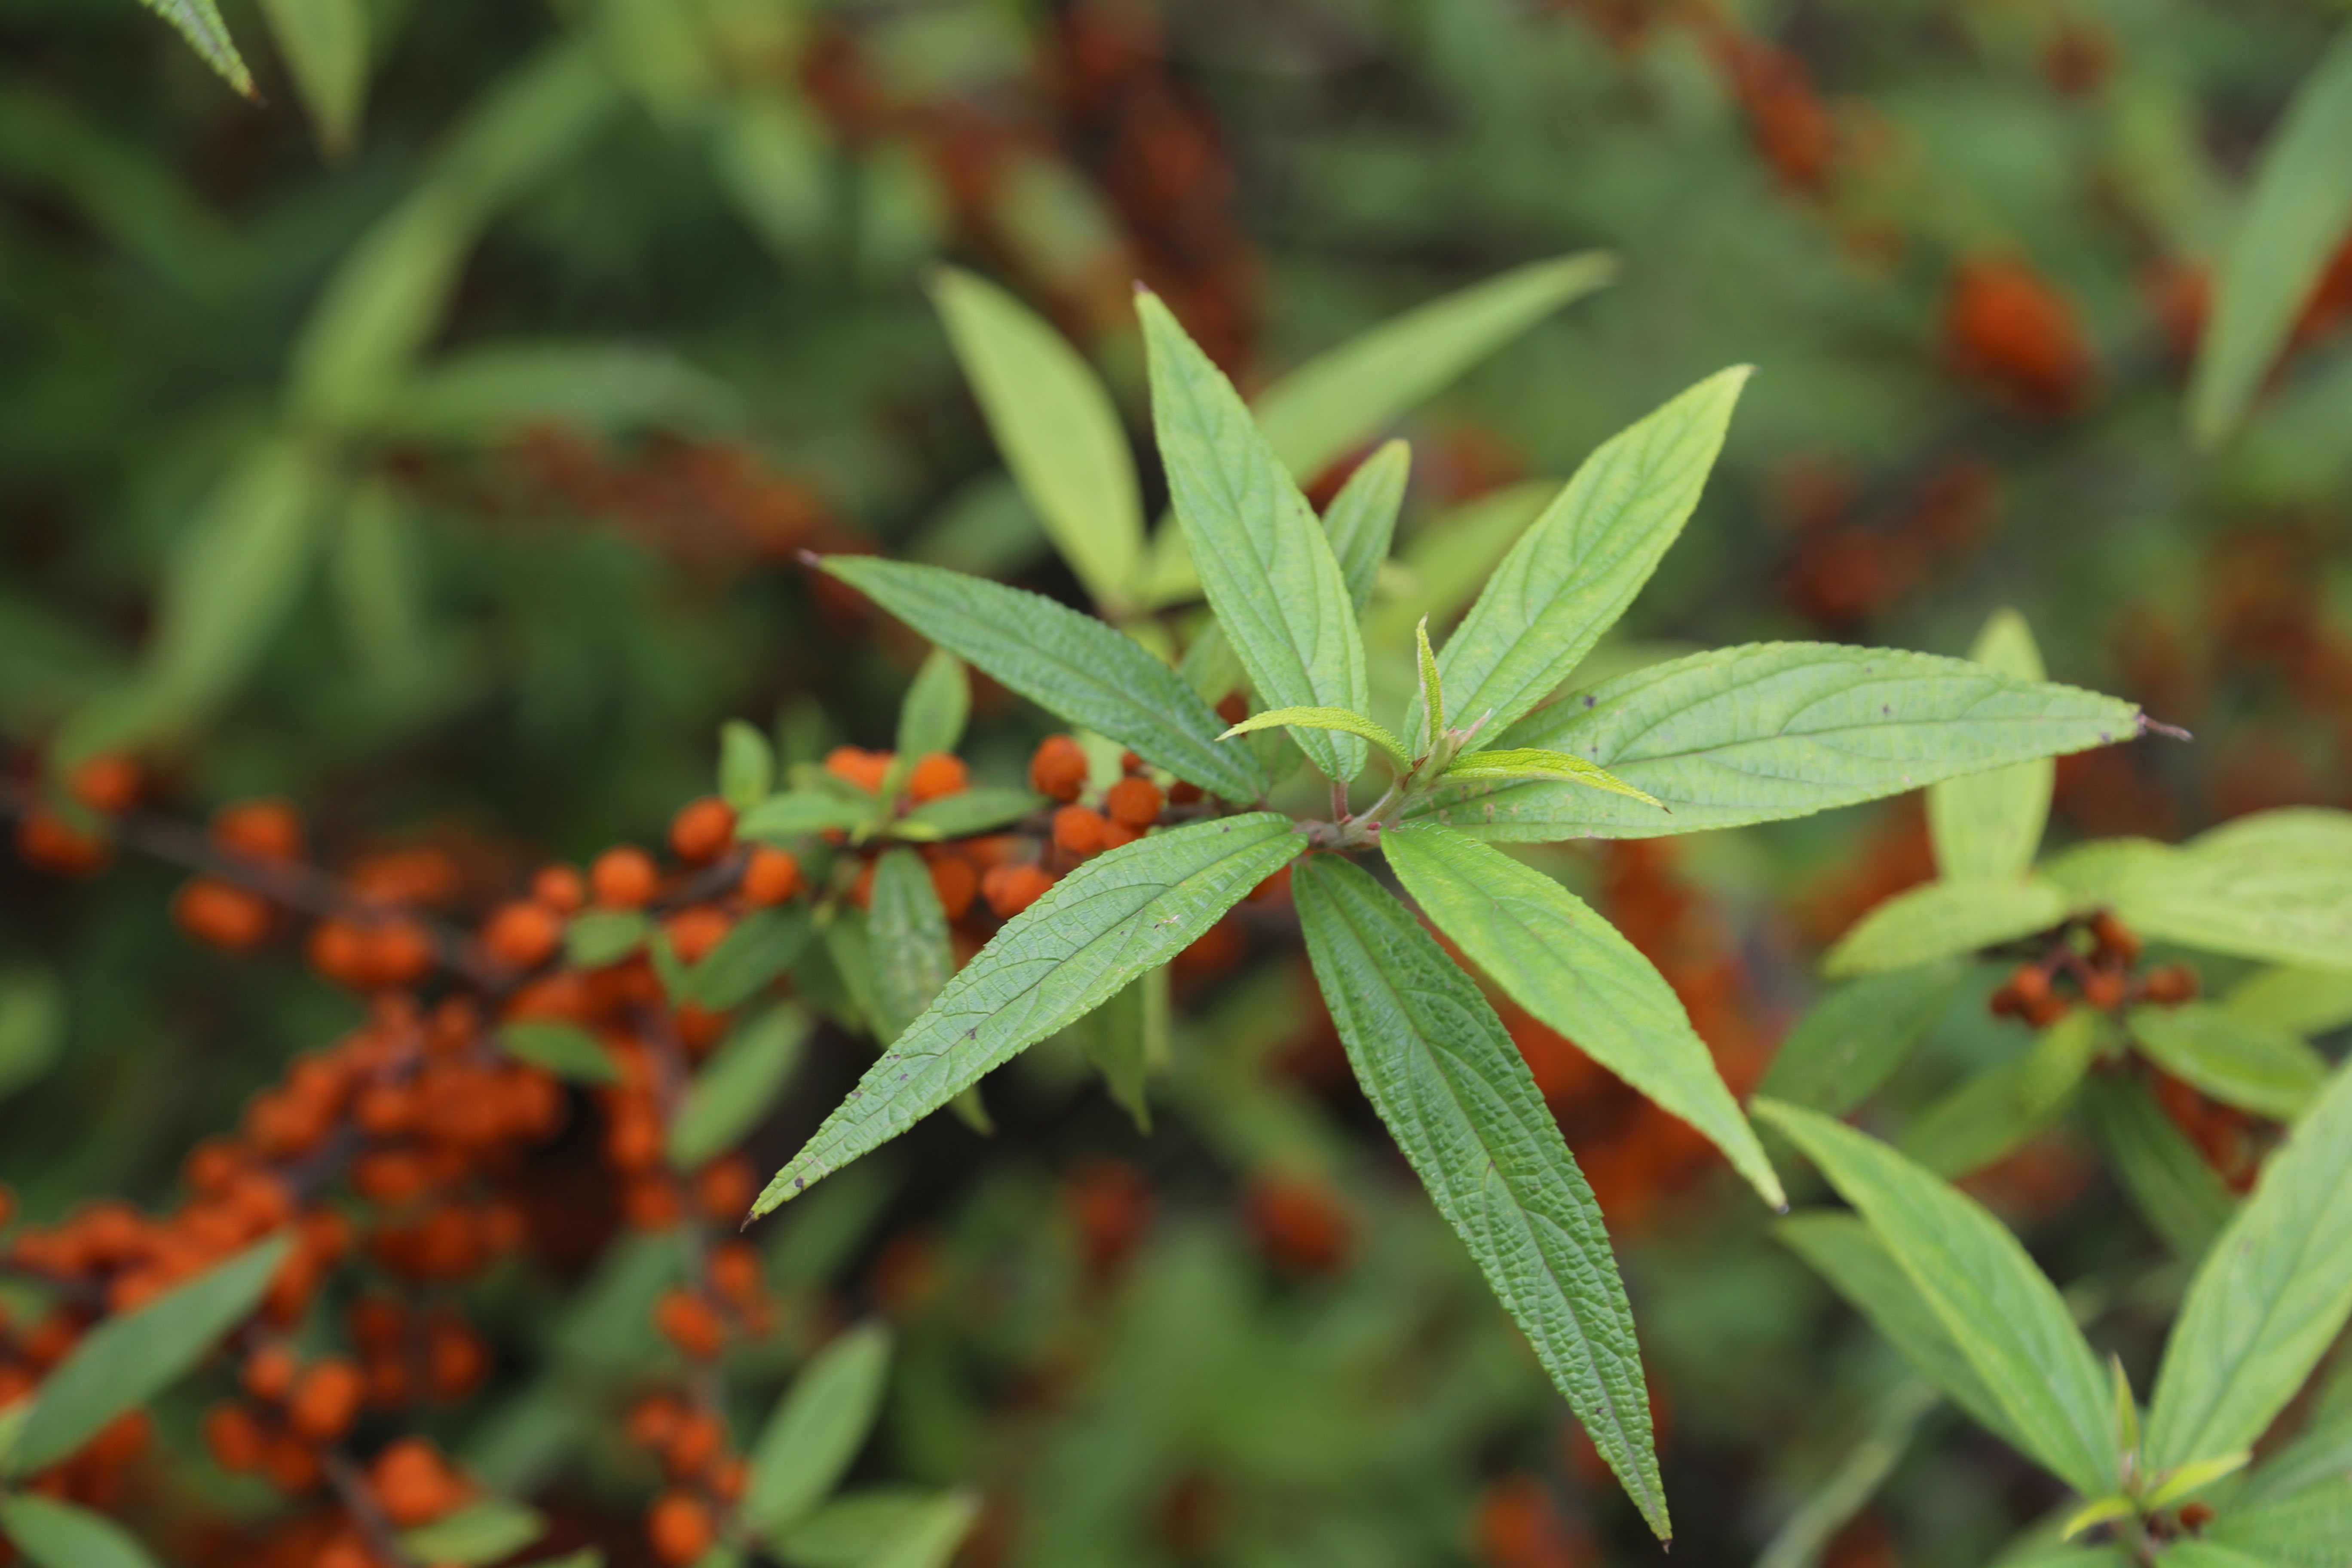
<point>567,1050</point>
<point>1775,729</point>
<point>1454,1090</point>
<point>488,1531</point>
<point>2267,1072</point>
<point>1574,571</point>
<point>32,1025</point>
<point>482,396</point>
<point>325,45</point>
<point>199,22</point>
<point>937,707</point>
<point>128,1360</point>
<point>1090,674</point>
<point>1988,825</point>
<point>747,766</point>
<point>1850,1041</point>
<point>60,1535</point>
<point>1126,1039</point>
<point>2169,1181</point>
<point>1094,931</point>
<point>1576,974</point>
<point>1261,552</point>
<point>1945,919</point>
<point>816,1430</point>
<point>852,959</point>
<point>2000,1107</point>
<point>736,1086</point>
<point>760,947</point>
<point>973,811</point>
<point>602,937</point>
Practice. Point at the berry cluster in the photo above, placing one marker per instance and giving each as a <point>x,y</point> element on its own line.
<point>2092,963</point>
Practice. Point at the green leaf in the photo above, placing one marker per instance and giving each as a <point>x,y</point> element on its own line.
<point>1057,427</point>
<point>1987,827</point>
<point>760,947</point>
<point>32,1025</point>
<point>1841,1249</point>
<point>1342,397</point>
<point>1459,1099</point>
<point>908,931</point>
<point>488,1531</point>
<point>60,1535</point>
<point>2275,887</point>
<point>817,1428</point>
<point>2000,1107</point>
<point>1944,919</point>
<point>2268,1300</point>
<point>567,1050</point>
<point>602,937</point>
<point>2169,1182</point>
<point>974,811</point>
<point>1853,1039</point>
<point>894,1528</point>
<point>2098,1511</point>
<point>1361,519</point>
<point>1090,674</point>
<point>2001,1311</point>
<point>2312,1528</point>
<point>199,22</point>
<point>1126,1038</point>
<point>2320,1458</point>
<point>1771,730</point>
<point>2300,1001</point>
<point>1337,719</point>
<point>1116,916</point>
<point>479,397</point>
<point>1449,558</point>
<point>1574,571</point>
<point>325,45</point>
<point>2212,1553</point>
<point>929,1539</point>
<point>2189,1479</point>
<point>1572,971</point>
<point>1799,1543</point>
<point>785,819</point>
<point>747,766</point>
<point>2297,214</point>
<point>851,959</point>
<point>736,1086</point>
<point>128,1360</point>
<point>938,705</point>
<point>2267,1072</point>
<point>1261,554</point>
<point>1432,689</point>
<point>1533,762</point>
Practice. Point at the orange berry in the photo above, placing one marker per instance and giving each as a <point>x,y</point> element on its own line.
<point>1118,835</point>
<point>624,878</point>
<point>326,1401</point>
<point>1058,769</point>
<point>561,888</point>
<point>697,1440</point>
<point>862,768</point>
<point>702,829</point>
<point>338,952</point>
<point>413,1485</point>
<point>456,1359</point>
<point>1129,762</point>
<point>1232,708</point>
<point>260,830</point>
<point>1009,889</point>
<point>771,876</point>
<point>956,883</point>
<point>735,1272</point>
<point>727,1482</point>
<point>2169,985</point>
<point>1183,791</point>
<point>725,1191</point>
<point>936,775</point>
<point>679,1528</point>
<point>523,935</point>
<point>654,1420</point>
<point>689,1323</point>
<point>2030,982</point>
<point>47,842</point>
<point>269,1373</point>
<point>1079,829</point>
<point>107,785</point>
<point>221,914</point>
<point>2104,988</point>
<point>1134,801</point>
<point>693,932</point>
<point>398,952</point>
<point>233,1436</point>
<point>2116,940</point>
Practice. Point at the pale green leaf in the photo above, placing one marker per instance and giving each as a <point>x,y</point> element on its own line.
<point>2189,1479</point>
<point>597,938</point>
<point>938,705</point>
<point>1057,427</point>
<point>1438,1067</point>
<point>2300,1001</point>
<point>1943,920</point>
<point>53,1534</point>
<point>972,811</point>
<point>1263,556</point>
<point>2215,1553</point>
<point>1576,974</point>
<point>1535,763</point>
<point>1771,730</point>
<point>32,1025</point>
<point>199,22</point>
<point>1574,571</point>
<point>1361,519</point>
<point>735,1088</point>
<point>2268,1300</point>
<point>2000,1107</point>
<point>747,766</point>
<point>489,1529</point>
<point>567,1050</point>
<point>851,1528</point>
<point>325,45</point>
<point>2310,1528</point>
<point>1987,827</point>
<point>1116,916</point>
<point>2168,1179</point>
<point>2275,887</point>
<point>908,929</point>
<point>2267,1072</point>
<point>1090,674</point>
<point>783,819</point>
<point>2298,212</point>
<point>2100,1511</point>
<point>816,1430</point>
<point>1337,719</point>
<point>929,1539</point>
<point>773,161</point>
<point>755,950</point>
<point>128,1360</point>
<point>1852,1039</point>
<point>2003,1313</point>
<point>1432,689</point>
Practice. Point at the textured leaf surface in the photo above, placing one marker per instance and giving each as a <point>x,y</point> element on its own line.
<point>1337,719</point>
<point>1988,825</point>
<point>2274,886</point>
<point>2267,1072</point>
<point>1094,931</point>
<point>1574,571</point>
<point>1573,971</point>
<point>1361,519</point>
<point>1853,1038</point>
<point>1057,427</point>
<point>1769,730</point>
<point>60,1535</point>
<point>736,1086</point>
<point>1261,552</point>
<point>908,932</point>
<point>817,1428</point>
<point>2268,1300</point>
<point>1944,919</point>
<point>1073,665</point>
<point>2000,1309</point>
<point>1535,763</point>
<point>2299,212</point>
<point>199,22</point>
<point>128,1360</point>
<point>1454,1090</point>
<point>2167,1178</point>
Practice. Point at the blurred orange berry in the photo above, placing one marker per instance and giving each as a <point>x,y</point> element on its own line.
<point>326,1401</point>
<point>1058,768</point>
<point>862,768</point>
<point>413,1485</point>
<point>561,888</point>
<point>693,933</point>
<point>1118,835</point>
<point>679,1526</point>
<point>771,876</point>
<point>221,914</point>
<point>936,775</point>
<point>624,878</point>
<point>1079,829</point>
<point>108,783</point>
<point>233,1436</point>
<point>956,883</point>
<point>260,830</point>
<point>523,935</point>
<point>1134,801</point>
<point>689,1323</point>
<point>47,842</point>
<point>702,829</point>
<point>1009,889</point>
